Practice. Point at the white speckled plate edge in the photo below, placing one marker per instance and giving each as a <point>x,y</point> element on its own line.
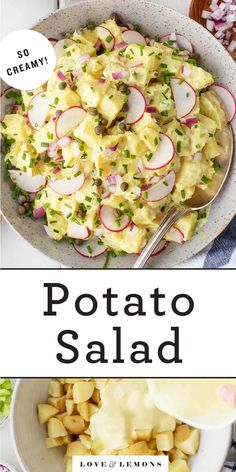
<point>154,19</point>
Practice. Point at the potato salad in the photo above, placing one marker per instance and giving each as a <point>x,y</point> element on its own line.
<point>125,128</point>
<point>113,417</point>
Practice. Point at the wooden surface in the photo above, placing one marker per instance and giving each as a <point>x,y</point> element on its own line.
<point>195,12</point>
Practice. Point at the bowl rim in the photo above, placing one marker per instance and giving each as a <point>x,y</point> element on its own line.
<point>9,466</point>
<point>14,440</point>
<point>194,250</point>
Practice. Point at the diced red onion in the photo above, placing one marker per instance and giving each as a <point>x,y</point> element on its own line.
<point>137,190</point>
<point>119,74</point>
<point>52,146</point>
<point>140,166</point>
<point>210,25</point>
<point>113,148</point>
<point>145,187</point>
<point>16,108</point>
<point>154,179</point>
<point>32,196</point>
<point>121,45</point>
<point>76,72</point>
<point>112,179</point>
<point>217,14</point>
<point>186,71</point>
<point>112,188</point>
<point>173,37</point>
<point>232,46</point>
<point>47,231</point>
<point>133,228</point>
<point>219,35</point>
<point>138,64</point>
<point>231,17</point>
<point>232,7</point>
<point>106,194</point>
<point>228,35</point>
<point>151,109</point>
<point>98,44</point>
<point>152,42</point>
<point>197,156</point>
<point>130,25</point>
<point>102,80</point>
<point>193,120</point>
<point>59,159</point>
<point>61,75</point>
<point>52,154</point>
<point>56,170</point>
<point>84,58</point>
<point>38,213</point>
<point>63,142</point>
<point>206,15</point>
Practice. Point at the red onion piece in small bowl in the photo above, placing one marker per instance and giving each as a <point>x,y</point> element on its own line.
<point>38,213</point>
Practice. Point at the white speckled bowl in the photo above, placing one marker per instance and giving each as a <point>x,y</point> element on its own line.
<point>29,436</point>
<point>154,19</point>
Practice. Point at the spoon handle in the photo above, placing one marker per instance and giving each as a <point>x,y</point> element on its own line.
<point>172,216</point>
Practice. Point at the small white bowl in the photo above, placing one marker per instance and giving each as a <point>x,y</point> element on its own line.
<point>10,467</point>
<point>29,436</point>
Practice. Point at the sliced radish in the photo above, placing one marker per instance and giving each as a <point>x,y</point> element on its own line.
<point>181,41</point>
<point>67,186</point>
<point>106,37</point>
<point>28,183</point>
<point>137,105</point>
<point>112,222</point>
<point>160,247</point>
<point>61,46</point>
<point>184,96</point>
<point>53,41</point>
<point>228,100</point>
<point>133,37</point>
<point>91,248</point>
<point>176,235</point>
<point>68,120</point>
<point>163,155</point>
<point>38,110</point>
<point>161,189</point>
<point>77,231</point>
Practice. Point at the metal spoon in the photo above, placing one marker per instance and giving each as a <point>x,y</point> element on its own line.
<point>201,198</point>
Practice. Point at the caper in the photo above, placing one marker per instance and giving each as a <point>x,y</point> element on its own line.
<point>21,199</point>
<point>115,17</point>
<point>122,87</point>
<point>58,113</point>
<point>125,107</point>
<point>122,126</point>
<point>9,109</point>
<point>93,111</point>
<point>3,147</point>
<point>62,85</point>
<point>26,206</point>
<point>124,186</point>
<point>21,210</point>
<point>117,213</point>
<point>196,56</point>
<point>73,87</point>
<point>98,182</point>
<point>104,121</point>
<point>99,129</point>
<point>81,213</point>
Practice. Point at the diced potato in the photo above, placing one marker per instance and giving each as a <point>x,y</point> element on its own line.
<point>54,442</point>
<point>59,403</point>
<point>152,444</point>
<point>56,428</point>
<point>45,412</point>
<point>67,439</point>
<point>181,433</point>
<point>74,424</point>
<point>165,441</point>
<point>100,383</point>
<point>69,392</point>
<point>143,434</point>
<point>190,444</point>
<point>55,389</point>
<point>86,440</point>
<point>95,398</point>
<point>137,449</point>
<point>83,410</point>
<point>179,465</point>
<point>165,423</point>
<point>71,381</point>
<point>76,448</point>
<point>61,380</point>
<point>177,454</point>
<point>61,416</point>
<point>93,409</point>
<point>160,453</point>
<point>83,390</point>
<point>69,407</point>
